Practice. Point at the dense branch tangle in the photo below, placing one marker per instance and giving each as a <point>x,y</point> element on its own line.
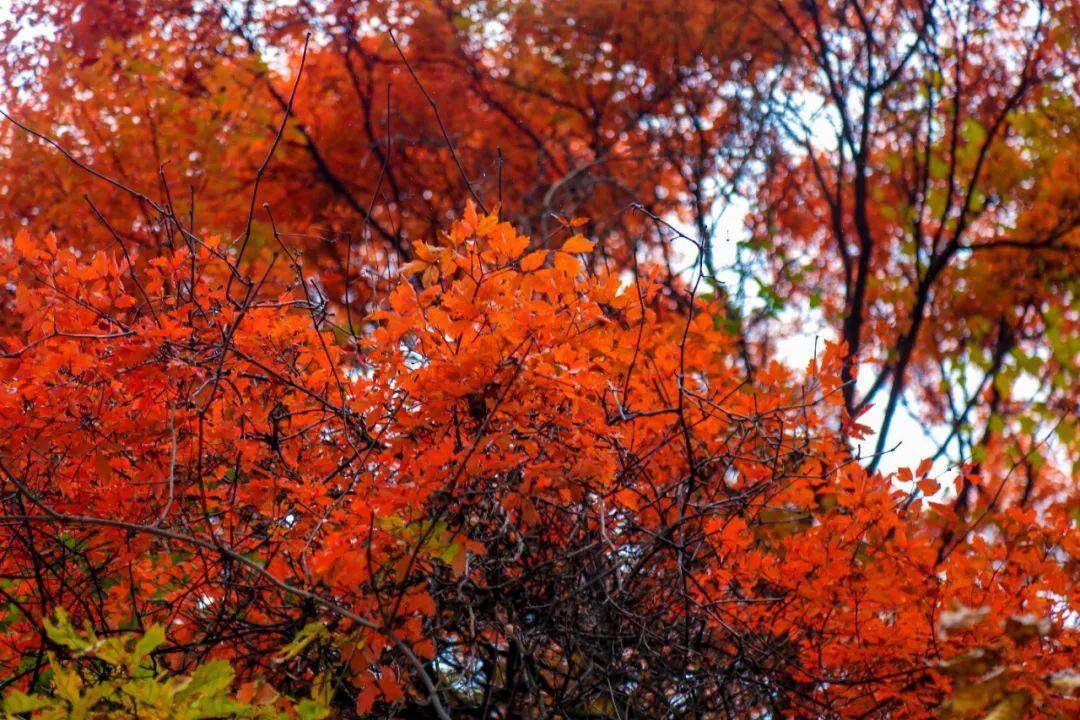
<point>513,501</point>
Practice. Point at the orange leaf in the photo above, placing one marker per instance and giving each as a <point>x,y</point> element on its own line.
<point>533,260</point>
<point>470,217</point>
<point>567,263</point>
<point>578,244</point>
<point>413,267</point>
<point>430,276</point>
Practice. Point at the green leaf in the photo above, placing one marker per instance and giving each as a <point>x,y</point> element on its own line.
<point>62,632</point>
<point>215,707</point>
<point>67,683</point>
<point>209,679</point>
<point>310,632</point>
<point>19,702</point>
<point>311,710</point>
<point>938,169</point>
<point>150,691</point>
<point>150,641</point>
<point>973,132</point>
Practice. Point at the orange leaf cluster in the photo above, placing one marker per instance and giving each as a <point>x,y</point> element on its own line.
<point>176,453</point>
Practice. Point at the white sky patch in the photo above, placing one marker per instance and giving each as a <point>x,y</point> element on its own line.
<point>796,349</point>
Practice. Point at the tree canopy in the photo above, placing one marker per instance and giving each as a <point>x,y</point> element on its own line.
<point>402,359</point>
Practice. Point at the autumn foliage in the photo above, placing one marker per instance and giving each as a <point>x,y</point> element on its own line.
<point>377,360</point>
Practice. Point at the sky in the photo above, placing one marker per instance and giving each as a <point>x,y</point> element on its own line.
<point>906,434</point>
